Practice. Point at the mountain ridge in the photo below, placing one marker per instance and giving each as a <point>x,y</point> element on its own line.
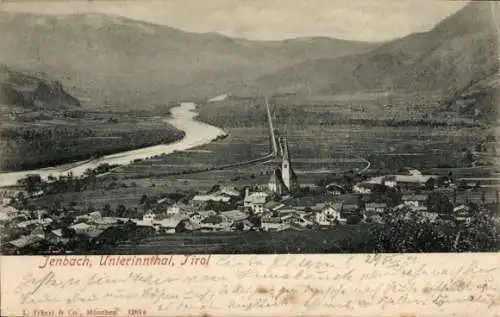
<point>458,51</point>
<point>139,62</point>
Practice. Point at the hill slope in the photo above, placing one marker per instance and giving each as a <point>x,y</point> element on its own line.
<point>458,52</point>
<point>120,61</point>
<point>22,90</point>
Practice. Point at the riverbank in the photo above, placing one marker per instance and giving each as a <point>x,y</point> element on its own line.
<point>196,133</point>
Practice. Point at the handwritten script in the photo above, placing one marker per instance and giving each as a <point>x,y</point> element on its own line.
<point>251,285</point>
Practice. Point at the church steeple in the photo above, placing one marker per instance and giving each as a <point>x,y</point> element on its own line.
<point>287,173</point>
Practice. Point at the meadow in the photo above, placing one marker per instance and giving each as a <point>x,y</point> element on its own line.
<point>318,150</point>
<point>58,139</point>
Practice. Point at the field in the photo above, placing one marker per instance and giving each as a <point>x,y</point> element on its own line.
<point>59,139</point>
<point>317,149</point>
<point>335,240</point>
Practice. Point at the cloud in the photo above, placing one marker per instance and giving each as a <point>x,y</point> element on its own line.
<point>368,20</point>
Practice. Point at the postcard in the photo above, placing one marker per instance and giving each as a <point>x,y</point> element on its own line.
<point>249,158</point>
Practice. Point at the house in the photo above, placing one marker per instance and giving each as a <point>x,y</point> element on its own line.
<point>349,207</point>
<point>328,215</point>
<point>57,233</point>
<point>235,215</point>
<point>375,207</point>
<point>245,225</point>
<point>298,219</point>
<point>213,197</point>
<point>373,217</point>
<point>362,188</point>
<point>462,213</point>
<point>412,178</point>
<point>216,223</point>
<point>82,227</point>
<point>414,200</point>
<point>273,205</point>
<point>255,201</point>
<point>95,216</point>
<point>106,222</point>
<point>93,233</point>
<point>429,216</point>
<point>335,189</point>
<point>229,191</point>
<point>173,210</point>
<point>56,236</point>
<point>389,181</point>
<point>38,231</point>
<point>24,242</point>
<point>148,217</point>
<point>27,223</point>
<point>9,212</point>
<point>167,225</point>
<point>197,217</point>
<point>273,224</point>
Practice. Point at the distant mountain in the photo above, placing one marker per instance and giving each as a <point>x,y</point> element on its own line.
<point>23,90</point>
<point>438,64</point>
<point>115,60</point>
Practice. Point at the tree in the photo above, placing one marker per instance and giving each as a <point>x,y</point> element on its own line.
<point>462,185</point>
<point>430,184</point>
<point>143,200</point>
<point>31,183</point>
<point>388,195</point>
<point>181,227</point>
<point>120,210</point>
<point>107,210</point>
<point>439,203</point>
<point>361,202</point>
<point>239,226</point>
<point>353,219</point>
<point>68,233</point>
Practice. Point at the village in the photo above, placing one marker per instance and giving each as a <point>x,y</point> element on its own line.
<point>281,204</point>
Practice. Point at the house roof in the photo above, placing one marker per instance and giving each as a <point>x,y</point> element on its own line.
<point>25,241</point>
<point>335,206</point>
<point>80,226</point>
<point>215,219</point>
<point>271,220</point>
<point>223,198</point>
<point>256,198</point>
<point>349,206</point>
<point>94,233</point>
<point>57,232</point>
<point>235,215</point>
<point>415,197</point>
<point>376,205</point>
<point>461,208</point>
<point>230,191</point>
<point>168,222</point>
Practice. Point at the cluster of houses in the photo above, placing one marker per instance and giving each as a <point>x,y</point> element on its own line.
<point>257,208</point>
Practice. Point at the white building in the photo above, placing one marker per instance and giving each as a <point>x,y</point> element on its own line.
<point>173,210</point>
<point>376,207</point>
<point>82,228</point>
<point>204,198</point>
<point>414,200</point>
<point>168,224</point>
<point>273,224</point>
<point>255,201</point>
<point>328,215</point>
<point>362,188</point>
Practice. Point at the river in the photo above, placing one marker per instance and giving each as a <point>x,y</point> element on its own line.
<point>182,117</point>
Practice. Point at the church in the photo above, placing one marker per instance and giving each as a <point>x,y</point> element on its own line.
<point>283,181</point>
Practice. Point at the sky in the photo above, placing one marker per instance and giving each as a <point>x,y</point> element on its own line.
<point>363,20</point>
